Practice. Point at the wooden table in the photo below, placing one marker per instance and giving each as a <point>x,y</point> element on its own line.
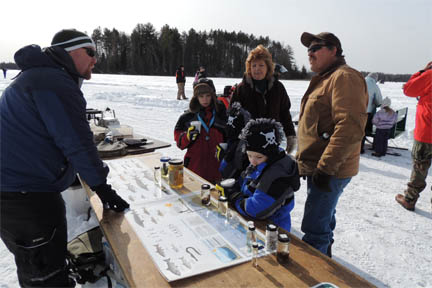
<point>307,265</point>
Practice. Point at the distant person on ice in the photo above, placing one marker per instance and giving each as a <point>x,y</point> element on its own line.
<point>384,121</point>
<point>181,80</point>
<point>45,141</point>
<point>375,100</point>
<point>330,130</point>
<point>201,73</point>
<point>4,72</point>
<point>201,141</point>
<point>419,86</point>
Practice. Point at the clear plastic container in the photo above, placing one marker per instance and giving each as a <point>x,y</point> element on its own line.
<point>283,249</point>
<point>223,206</point>
<point>205,194</point>
<point>157,176</point>
<point>271,238</point>
<point>250,236</point>
<point>227,185</point>
<point>255,254</point>
<point>164,166</point>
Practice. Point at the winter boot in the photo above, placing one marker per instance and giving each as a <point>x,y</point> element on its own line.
<point>405,202</point>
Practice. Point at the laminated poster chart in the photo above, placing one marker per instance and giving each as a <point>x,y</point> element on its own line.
<point>183,237</point>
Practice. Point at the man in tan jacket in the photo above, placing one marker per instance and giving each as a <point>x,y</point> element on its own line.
<point>330,130</point>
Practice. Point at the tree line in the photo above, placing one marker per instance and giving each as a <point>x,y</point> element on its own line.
<point>149,52</point>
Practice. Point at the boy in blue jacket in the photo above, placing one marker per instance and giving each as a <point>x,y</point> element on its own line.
<point>268,183</point>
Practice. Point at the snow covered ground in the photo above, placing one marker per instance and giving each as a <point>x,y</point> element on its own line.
<point>374,237</point>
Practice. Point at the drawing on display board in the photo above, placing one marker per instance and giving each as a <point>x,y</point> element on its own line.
<point>134,181</point>
<point>183,237</point>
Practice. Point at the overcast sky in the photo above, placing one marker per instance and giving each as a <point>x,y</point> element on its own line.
<point>391,36</point>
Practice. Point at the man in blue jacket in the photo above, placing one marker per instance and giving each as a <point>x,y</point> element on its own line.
<point>45,140</point>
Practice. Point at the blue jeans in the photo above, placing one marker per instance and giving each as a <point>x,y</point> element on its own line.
<point>319,219</point>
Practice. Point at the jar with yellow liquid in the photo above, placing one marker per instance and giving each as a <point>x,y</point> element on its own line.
<point>175,173</point>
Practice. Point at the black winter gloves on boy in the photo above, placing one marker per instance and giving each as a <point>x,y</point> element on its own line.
<point>321,180</point>
<point>110,199</point>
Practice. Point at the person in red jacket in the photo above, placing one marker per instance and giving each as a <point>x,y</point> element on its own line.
<point>420,86</point>
<point>201,143</point>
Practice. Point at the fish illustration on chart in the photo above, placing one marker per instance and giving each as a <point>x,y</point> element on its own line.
<point>174,248</point>
<point>153,220</point>
<point>131,188</point>
<point>172,267</point>
<point>148,175</point>
<point>159,250</point>
<point>137,219</point>
<point>140,183</point>
<point>186,263</point>
<point>122,178</point>
<point>146,211</point>
<point>137,164</point>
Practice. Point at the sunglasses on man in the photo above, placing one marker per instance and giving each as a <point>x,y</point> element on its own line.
<point>315,48</point>
<point>90,52</point>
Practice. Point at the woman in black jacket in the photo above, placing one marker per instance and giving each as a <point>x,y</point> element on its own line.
<point>264,96</point>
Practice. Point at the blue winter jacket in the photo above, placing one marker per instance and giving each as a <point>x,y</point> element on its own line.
<point>45,138</point>
<point>268,191</point>
<point>374,92</point>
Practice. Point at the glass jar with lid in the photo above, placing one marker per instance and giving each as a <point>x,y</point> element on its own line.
<point>282,255</point>
<point>175,173</point>
<point>164,166</point>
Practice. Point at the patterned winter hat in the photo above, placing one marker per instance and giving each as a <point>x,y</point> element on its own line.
<point>237,120</point>
<point>263,136</point>
<point>71,39</point>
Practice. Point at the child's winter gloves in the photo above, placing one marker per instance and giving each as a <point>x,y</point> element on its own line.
<point>192,134</point>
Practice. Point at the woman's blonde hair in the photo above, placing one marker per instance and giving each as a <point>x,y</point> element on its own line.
<point>260,53</point>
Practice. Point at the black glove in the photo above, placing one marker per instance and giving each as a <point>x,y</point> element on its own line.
<point>192,134</point>
<point>110,199</point>
<point>321,180</point>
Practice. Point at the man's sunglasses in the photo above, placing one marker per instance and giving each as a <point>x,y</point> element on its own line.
<point>90,52</point>
<point>315,48</point>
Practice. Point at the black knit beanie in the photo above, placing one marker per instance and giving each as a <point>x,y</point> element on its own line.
<point>263,136</point>
<point>71,39</point>
<point>237,120</point>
